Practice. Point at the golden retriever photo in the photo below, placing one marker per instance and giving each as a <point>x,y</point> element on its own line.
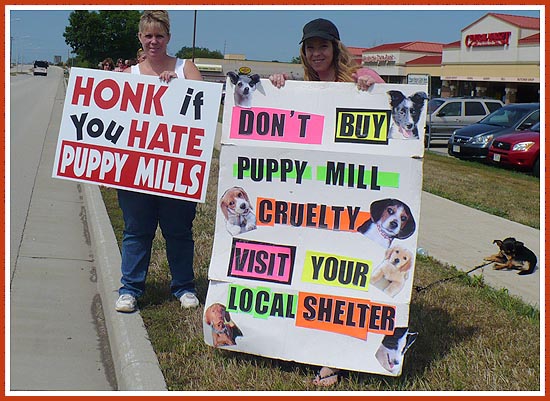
<point>392,273</point>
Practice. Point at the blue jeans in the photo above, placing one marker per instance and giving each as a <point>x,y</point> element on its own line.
<point>142,213</point>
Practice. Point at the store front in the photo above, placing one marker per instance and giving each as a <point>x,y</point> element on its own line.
<point>498,56</point>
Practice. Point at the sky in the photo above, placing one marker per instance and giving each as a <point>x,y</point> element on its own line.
<point>263,33</point>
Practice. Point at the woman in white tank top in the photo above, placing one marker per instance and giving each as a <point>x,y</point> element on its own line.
<point>154,35</point>
<point>143,212</point>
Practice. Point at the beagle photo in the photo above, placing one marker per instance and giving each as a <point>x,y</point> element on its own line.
<point>392,273</point>
<point>224,331</point>
<point>237,210</point>
<point>389,219</point>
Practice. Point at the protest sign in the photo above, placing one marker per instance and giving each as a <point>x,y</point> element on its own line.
<point>316,231</point>
<point>135,132</point>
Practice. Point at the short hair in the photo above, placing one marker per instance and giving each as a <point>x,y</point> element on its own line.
<point>155,17</point>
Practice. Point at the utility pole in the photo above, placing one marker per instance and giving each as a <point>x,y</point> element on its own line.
<point>194,35</point>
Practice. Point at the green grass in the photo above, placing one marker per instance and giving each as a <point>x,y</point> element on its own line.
<point>471,337</point>
<point>512,195</point>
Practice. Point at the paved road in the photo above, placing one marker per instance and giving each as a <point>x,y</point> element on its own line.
<point>57,334</point>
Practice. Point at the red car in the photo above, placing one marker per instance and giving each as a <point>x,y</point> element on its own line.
<point>519,150</point>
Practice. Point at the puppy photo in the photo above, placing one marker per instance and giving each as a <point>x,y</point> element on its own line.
<point>389,219</point>
<point>237,210</point>
<point>224,330</point>
<point>405,114</point>
<point>392,273</point>
<point>245,85</point>
<point>513,254</point>
<point>391,352</point>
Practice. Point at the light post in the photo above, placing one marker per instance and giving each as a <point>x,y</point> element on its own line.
<point>194,34</point>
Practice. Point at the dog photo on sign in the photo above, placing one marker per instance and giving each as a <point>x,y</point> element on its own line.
<point>237,211</point>
<point>405,114</point>
<point>244,86</point>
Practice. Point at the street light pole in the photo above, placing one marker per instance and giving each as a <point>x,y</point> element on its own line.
<point>194,35</point>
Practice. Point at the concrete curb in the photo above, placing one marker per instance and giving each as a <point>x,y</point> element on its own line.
<point>136,364</point>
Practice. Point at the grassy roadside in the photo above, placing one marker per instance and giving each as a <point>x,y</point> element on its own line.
<point>512,195</point>
<point>471,336</point>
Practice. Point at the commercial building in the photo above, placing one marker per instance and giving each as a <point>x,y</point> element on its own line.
<point>497,56</point>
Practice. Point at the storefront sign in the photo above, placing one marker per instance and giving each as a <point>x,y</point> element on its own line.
<point>490,79</point>
<point>378,58</point>
<point>488,39</point>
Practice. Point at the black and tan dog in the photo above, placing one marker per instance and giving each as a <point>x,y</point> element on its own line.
<point>513,254</point>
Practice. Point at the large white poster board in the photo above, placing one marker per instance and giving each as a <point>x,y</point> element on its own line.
<point>137,133</point>
<point>316,231</point>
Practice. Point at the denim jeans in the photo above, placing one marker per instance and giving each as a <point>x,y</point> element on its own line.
<point>142,213</point>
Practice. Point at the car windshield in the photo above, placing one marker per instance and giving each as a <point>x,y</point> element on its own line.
<point>41,64</point>
<point>505,116</point>
<point>434,104</point>
<point>536,127</point>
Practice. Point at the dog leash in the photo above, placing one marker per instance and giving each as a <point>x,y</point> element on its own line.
<point>419,288</point>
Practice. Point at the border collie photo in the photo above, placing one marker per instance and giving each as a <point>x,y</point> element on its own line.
<point>245,85</point>
<point>405,114</point>
<point>391,352</point>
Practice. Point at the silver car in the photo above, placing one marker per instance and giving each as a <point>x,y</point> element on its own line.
<point>445,115</point>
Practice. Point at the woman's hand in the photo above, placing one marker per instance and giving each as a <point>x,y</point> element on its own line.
<point>365,78</point>
<point>167,76</point>
<point>278,80</point>
<point>364,82</point>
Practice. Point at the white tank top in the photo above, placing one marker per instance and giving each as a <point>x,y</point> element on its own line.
<point>180,64</point>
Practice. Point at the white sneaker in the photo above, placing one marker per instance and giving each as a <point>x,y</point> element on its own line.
<point>189,300</point>
<point>126,303</point>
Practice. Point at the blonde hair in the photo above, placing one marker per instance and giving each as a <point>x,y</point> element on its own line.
<point>156,18</point>
<point>342,61</point>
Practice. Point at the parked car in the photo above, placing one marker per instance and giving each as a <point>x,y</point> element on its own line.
<point>446,115</point>
<point>519,150</point>
<point>40,68</point>
<point>473,141</point>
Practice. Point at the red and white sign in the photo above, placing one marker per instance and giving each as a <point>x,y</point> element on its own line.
<point>488,39</point>
<point>137,133</point>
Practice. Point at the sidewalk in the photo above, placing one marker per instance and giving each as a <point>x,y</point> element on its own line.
<point>461,236</point>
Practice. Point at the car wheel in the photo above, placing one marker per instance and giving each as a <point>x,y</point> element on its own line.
<point>536,168</point>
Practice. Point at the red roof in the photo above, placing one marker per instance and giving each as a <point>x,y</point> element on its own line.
<point>452,44</point>
<point>517,20</point>
<point>530,39</point>
<point>425,60</point>
<point>421,47</point>
<point>356,51</point>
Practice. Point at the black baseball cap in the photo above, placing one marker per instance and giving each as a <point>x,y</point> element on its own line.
<point>320,28</point>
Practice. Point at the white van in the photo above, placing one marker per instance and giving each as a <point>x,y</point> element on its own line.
<point>40,68</point>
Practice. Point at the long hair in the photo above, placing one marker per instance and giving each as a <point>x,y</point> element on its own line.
<point>342,60</point>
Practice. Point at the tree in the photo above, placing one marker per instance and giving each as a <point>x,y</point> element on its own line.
<point>94,36</point>
<point>296,60</point>
<point>187,52</point>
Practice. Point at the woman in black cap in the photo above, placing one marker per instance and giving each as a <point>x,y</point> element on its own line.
<point>325,58</point>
